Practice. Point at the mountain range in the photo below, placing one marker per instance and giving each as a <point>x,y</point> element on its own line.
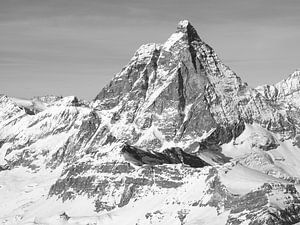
<point>176,137</point>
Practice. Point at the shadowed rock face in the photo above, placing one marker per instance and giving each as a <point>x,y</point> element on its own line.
<point>182,88</point>
<point>222,135</point>
<point>168,156</point>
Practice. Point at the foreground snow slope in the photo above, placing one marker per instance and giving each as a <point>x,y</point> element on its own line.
<point>175,138</point>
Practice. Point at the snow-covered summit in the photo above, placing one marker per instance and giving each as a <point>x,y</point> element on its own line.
<point>185,26</point>
<point>285,90</point>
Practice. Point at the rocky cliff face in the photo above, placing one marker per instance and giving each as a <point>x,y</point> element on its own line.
<point>175,137</point>
<point>183,90</point>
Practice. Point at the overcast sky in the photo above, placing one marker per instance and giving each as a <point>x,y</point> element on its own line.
<point>74,47</point>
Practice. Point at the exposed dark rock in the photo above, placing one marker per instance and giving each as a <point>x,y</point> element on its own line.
<point>88,128</point>
<point>70,187</point>
<point>64,216</point>
<point>4,167</point>
<point>109,139</point>
<point>221,135</point>
<point>269,145</point>
<point>168,156</point>
<point>29,111</point>
<point>102,206</point>
<point>127,195</point>
<point>2,142</point>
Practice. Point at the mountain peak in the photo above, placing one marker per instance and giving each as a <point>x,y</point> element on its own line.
<point>289,87</point>
<point>184,26</point>
<point>293,77</point>
<point>295,74</point>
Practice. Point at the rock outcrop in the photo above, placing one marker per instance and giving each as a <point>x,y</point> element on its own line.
<point>167,156</point>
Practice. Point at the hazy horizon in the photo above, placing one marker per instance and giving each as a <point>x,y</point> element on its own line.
<point>74,47</point>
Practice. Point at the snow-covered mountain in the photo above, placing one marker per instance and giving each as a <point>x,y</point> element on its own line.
<point>175,138</point>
